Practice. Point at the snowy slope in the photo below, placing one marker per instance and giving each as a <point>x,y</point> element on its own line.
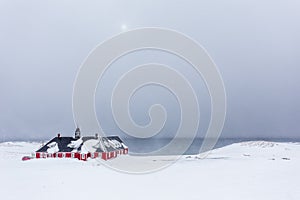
<point>249,170</point>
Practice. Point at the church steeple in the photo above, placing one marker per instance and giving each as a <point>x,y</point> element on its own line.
<point>77,133</point>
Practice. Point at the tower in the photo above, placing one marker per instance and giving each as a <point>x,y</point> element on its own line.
<point>77,133</point>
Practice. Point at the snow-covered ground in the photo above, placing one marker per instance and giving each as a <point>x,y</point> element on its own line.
<point>249,170</point>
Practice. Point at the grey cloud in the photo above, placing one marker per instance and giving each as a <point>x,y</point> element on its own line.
<point>255,44</point>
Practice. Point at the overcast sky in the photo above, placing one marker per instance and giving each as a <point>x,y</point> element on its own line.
<point>255,44</point>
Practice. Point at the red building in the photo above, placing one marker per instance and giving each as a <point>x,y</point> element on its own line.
<point>81,148</point>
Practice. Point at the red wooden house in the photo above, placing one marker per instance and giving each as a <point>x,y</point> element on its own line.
<point>81,148</point>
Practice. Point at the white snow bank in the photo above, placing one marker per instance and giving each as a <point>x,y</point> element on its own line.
<point>250,170</point>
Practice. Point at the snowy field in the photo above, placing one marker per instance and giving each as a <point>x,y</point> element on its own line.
<point>250,170</point>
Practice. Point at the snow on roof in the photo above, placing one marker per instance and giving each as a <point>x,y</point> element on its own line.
<point>83,144</point>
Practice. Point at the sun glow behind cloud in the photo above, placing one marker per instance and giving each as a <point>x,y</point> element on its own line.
<point>124,27</point>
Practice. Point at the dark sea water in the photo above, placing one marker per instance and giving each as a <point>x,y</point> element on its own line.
<point>142,146</point>
<point>149,146</point>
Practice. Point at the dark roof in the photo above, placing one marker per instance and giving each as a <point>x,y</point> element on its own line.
<point>63,142</point>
